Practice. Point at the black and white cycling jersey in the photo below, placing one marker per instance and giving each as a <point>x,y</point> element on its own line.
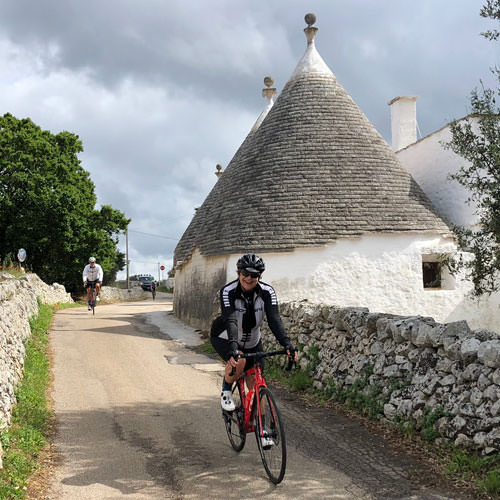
<point>243,313</point>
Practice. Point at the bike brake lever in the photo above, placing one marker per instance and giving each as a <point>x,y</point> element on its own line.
<point>233,369</point>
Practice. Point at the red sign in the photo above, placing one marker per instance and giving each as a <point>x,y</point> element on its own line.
<point>162,268</point>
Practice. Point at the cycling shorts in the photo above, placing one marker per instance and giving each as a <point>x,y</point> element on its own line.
<point>90,283</point>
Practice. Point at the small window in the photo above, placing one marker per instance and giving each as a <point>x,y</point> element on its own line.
<point>435,272</point>
<point>432,274</point>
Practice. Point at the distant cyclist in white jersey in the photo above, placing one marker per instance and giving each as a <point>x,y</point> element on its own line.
<point>92,273</point>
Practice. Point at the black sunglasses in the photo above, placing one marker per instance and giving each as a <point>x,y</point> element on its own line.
<point>248,273</point>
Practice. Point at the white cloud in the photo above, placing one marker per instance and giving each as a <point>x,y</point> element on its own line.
<point>369,49</point>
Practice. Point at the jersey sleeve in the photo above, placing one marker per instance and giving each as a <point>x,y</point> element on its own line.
<point>273,317</point>
<point>84,274</point>
<point>229,317</point>
<point>100,274</point>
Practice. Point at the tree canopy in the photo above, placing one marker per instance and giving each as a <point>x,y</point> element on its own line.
<point>47,206</point>
<point>477,140</point>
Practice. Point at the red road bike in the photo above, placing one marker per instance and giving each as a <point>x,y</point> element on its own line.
<point>256,411</point>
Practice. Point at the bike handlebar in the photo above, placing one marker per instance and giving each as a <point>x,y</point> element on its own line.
<point>263,354</point>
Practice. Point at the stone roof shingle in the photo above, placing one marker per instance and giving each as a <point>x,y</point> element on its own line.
<point>314,171</point>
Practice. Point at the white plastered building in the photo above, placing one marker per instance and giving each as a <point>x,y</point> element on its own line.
<point>431,163</point>
<point>321,197</point>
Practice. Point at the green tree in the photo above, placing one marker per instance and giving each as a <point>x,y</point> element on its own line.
<point>477,139</point>
<point>47,205</point>
<point>492,10</point>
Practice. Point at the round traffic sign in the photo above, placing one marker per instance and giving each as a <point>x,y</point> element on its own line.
<point>162,268</point>
<point>21,255</point>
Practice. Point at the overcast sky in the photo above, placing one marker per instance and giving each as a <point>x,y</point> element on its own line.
<point>160,91</point>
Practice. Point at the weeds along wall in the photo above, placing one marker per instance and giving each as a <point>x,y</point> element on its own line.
<point>18,303</point>
<point>442,380</point>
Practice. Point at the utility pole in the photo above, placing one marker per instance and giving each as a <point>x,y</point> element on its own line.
<point>126,255</point>
<point>159,276</point>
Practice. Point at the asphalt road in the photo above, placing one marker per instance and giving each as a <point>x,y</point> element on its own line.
<point>138,417</point>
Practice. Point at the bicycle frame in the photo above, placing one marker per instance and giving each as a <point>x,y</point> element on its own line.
<point>249,397</point>
<point>93,296</point>
<point>256,411</point>
<point>253,394</point>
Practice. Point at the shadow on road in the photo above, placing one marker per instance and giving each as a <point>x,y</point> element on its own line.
<point>135,446</point>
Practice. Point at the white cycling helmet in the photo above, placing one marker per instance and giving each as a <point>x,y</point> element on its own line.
<point>92,259</point>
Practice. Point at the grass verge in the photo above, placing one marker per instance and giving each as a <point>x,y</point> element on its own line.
<point>27,434</point>
<point>205,348</point>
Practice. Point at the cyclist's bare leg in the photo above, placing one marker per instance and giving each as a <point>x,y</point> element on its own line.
<point>89,294</point>
<point>97,288</point>
<point>250,380</point>
<point>239,370</point>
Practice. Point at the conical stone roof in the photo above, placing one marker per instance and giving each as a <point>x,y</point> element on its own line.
<point>315,170</point>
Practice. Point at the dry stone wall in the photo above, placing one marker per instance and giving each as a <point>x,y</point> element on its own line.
<point>18,303</point>
<point>110,294</point>
<point>414,365</point>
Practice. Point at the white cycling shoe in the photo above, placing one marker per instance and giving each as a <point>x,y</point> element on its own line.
<point>266,441</point>
<point>226,401</point>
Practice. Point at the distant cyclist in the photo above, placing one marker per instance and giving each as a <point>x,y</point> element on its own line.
<point>92,273</point>
<point>244,304</point>
<point>153,289</point>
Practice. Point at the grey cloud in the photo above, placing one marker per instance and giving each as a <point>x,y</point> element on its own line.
<point>214,48</point>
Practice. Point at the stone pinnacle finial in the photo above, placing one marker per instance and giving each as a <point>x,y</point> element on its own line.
<point>310,19</point>
<point>311,30</point>
<point>219,170</point>
<point>270,92</point>
<point>268,81</point>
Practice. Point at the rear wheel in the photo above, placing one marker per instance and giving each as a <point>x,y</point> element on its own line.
<point>235,421</point>
<point>271,437</point>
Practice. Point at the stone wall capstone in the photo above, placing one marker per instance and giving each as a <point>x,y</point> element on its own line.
<point>419,366</point>
<point>18,303</point>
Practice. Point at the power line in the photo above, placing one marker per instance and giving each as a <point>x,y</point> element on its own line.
<point>178,218</point>
<point>156,235</point>
<point>133,261</point>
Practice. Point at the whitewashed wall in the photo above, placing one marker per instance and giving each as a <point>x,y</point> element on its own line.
<point>430,163</point>
<point>383,273</point>
<point>196,286</point>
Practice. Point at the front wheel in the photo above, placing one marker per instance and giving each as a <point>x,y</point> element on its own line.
<point>270,436</point>
<point>235,421</point>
